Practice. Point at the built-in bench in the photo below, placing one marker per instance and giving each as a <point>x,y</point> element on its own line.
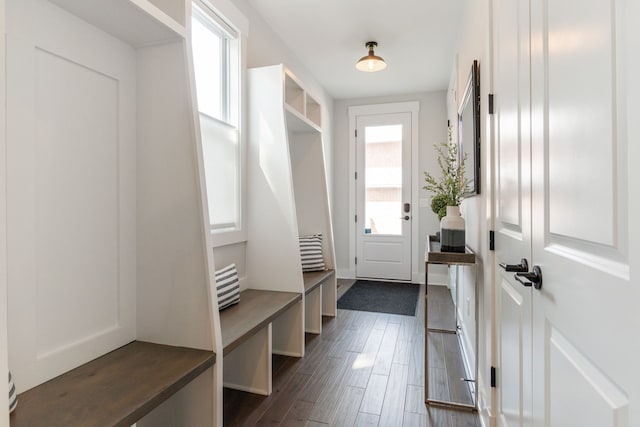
<point>255,311</point>
<point>313,279</point>
<point>116,389</point>
<point>319,299</point>
<point>248,338</point>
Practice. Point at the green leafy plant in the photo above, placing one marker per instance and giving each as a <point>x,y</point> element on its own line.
<point>449,189</point>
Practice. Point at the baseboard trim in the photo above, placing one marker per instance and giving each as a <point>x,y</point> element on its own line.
<point>345,273</point>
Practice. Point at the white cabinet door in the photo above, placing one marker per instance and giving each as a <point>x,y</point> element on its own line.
<point>585,138</point>
<point>513,209</point>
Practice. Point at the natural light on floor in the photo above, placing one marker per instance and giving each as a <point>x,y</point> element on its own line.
<point>364,360</point>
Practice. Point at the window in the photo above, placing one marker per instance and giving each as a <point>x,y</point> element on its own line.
<point>217,67</point>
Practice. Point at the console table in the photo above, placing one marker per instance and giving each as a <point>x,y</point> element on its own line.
<point>433,255</point>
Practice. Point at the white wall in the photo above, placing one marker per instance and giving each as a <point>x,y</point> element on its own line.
<point>432,130</point>
<point>264,47</point>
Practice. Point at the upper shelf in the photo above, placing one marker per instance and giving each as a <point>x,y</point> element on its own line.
<point>304,112</point>
<point>137,22</point>
<point>297,123</point>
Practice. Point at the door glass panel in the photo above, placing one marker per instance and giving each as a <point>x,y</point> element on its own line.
<point>383,180</point>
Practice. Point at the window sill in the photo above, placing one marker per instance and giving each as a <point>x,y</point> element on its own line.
<point>225,237</point>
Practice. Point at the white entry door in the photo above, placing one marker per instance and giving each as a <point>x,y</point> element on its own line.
<point>383,189</point>
<point>566,196</point>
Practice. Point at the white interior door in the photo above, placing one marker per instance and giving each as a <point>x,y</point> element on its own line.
<point>383,191</point>
<point>585,134</point>
<point>576,364</point>
<point>513,209</point>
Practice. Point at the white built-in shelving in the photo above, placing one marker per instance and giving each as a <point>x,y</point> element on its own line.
<point>105,202</point>
<point>302,109</point>
<point>288,187</point>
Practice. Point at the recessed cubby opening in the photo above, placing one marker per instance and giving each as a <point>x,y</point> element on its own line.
<point>294,94</point>
<point>314,112</point>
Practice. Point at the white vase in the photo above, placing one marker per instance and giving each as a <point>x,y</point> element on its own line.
<point>452,231</point>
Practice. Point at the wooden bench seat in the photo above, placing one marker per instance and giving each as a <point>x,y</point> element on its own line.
<point>116,389</point>
<point>313,279</point>
<point>256,310</point>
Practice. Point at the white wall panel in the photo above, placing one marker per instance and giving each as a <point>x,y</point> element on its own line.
<point>272,210</point>
<point>71,192</point>
<point>171,268</point>
<point>76,202</point>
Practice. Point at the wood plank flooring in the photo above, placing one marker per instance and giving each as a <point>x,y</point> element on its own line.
<point>366,369</point>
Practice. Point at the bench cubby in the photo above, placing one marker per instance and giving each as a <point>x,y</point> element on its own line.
<point>320,295</point>
<point>249,340</point>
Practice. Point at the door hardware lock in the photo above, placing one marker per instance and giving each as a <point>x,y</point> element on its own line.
<point>523,267</point>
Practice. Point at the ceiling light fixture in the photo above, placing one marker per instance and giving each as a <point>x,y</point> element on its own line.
<point>371,63</point>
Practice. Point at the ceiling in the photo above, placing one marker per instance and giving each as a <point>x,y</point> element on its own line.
<point>415,37</point>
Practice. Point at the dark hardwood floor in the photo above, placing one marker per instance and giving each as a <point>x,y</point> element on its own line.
<point>366,369</point>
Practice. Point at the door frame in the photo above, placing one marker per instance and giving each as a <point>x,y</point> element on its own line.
<point>412,107</point>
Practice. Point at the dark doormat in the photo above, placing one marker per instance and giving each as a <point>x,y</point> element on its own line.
<point>381,297</point>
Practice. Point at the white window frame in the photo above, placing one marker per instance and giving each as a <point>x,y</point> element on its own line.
<point>225,15</point>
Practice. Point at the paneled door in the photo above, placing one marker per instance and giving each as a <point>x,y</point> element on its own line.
<point>585,210</point>
<point>566,148</point>
<point>513,210</point>
<point>383,188</point>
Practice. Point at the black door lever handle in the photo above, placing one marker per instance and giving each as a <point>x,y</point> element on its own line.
<point>523,267</point>
<point>534,277</point>
<point>517,277</point>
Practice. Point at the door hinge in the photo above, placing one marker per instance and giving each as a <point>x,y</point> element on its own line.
<point>356,260</point>
<point>492,240</point>
<point>448,123</point>
<point>356,175</point>
<point>491,111</point>
<point>493,377</point>
<point>355,218</point>
<point>355,132</point>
